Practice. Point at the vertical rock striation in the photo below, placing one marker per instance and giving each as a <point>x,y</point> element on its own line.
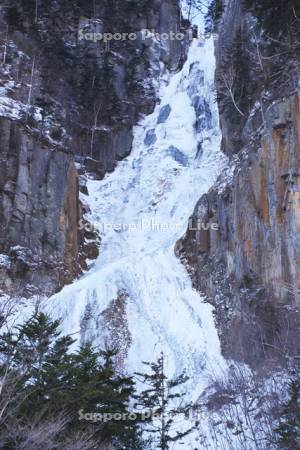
<point>68,103</point>
<point>250,268</point>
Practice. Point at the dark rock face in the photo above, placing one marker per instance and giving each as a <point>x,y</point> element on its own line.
<point>66,97</point>
<point>39,213</point>
<point>250,268</point>
<point>95,168</point>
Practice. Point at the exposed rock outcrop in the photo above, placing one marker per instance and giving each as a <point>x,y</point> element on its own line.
<point>69,101</point>
<point>250,268</point>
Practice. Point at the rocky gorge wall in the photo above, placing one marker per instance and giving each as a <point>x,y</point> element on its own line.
<point>68,104</point>
<point>250,267</point>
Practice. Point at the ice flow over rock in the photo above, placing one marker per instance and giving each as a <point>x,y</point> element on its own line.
<point>137,294</point>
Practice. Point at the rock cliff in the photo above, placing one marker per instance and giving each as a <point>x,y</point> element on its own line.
<point>68,103</point>
<point>250,267</point>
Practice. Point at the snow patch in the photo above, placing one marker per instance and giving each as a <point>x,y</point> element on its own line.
<point>4,261</point>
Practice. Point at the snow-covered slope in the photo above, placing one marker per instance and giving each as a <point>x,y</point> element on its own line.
<point>141,210</point>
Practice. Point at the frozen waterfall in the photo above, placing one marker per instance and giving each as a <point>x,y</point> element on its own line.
<point>141,210</point>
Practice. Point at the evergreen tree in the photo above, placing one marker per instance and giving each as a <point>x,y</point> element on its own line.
<point>54,382</point>
<point>162,397</point>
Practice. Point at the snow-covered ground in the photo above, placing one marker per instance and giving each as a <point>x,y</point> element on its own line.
<point>141,210</point>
